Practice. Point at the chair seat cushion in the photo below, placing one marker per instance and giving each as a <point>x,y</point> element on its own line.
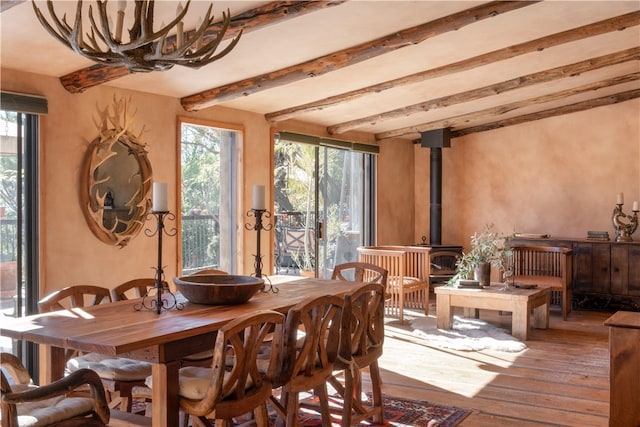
<point>550,281</point>
<point>407,283</point>
<point>193,381</point>
<point>49,411</point>
<point>111,368</point>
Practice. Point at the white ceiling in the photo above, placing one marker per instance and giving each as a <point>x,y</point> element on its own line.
<point>25,45</point>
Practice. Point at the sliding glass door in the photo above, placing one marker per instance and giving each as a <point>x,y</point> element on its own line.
<point>19,237</point>
<point>323,196</point>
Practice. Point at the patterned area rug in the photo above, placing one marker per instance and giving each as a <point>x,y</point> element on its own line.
<point>400,413</point>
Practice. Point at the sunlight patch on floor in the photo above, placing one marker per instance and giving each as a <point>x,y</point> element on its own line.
<point>408,357</point>
<point>404,362</point>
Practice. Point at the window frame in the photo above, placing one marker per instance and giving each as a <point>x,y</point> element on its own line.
<point>28,219</point>
<point>237,256</point>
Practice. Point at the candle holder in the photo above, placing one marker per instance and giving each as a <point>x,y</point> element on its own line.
<point>257,263</point>
<point>163,297</point>
<point>625,225</point>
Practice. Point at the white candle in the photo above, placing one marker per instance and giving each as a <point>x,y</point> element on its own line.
<point>179,28</point>
<point>635,206</point>
<point>160,197</point>
<point>122,5</point>
<point>259,203</point>
<point>620,200</point>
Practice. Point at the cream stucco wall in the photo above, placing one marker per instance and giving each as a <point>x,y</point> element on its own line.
<point>71,254</point>
<point>557,176</point>
<point>395,185</point>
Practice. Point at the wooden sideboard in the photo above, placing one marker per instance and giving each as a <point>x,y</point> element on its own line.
<point>604,269</point>
<point>624,349</point>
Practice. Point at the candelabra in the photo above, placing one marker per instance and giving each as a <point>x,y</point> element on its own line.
<point>624,230</point>
<point>257,263</point>
<point>163,297</point>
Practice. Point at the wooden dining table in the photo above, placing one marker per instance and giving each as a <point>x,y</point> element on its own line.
<point>117,329</point>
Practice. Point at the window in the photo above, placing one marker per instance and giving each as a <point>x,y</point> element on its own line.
<point>208,197</point>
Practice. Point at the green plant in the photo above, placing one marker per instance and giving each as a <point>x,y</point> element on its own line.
<point>487,246</point>
<point>303,259</point>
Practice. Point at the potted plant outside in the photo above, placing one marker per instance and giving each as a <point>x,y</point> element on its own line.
<point>303,259</point>
<point>487,250</point>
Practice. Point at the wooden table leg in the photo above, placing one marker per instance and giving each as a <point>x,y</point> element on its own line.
<point>443,311</point>
<point>520,320</point>
<point>164,410</point>
<point>53,365</point>
<point>541,313</point>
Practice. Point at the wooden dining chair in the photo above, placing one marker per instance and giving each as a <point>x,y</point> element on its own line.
<point>360,272</point>
<point>119,375</point>
<point>210,271</point>
<point>75,297</point>
<point>25,404</point>
<point>204,357</point>
<point>247,359</point>
<point>131,289</point>
<point>138,288</point>
<point>361,341</point>
<point>311,345</point>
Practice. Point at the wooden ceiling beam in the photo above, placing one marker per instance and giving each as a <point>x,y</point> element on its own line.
<point>490,113</point>
<point>608,25</point>
<point>494,89</point>
<point>559,111</point>
<point>251,20</point>
<point>353,55</point>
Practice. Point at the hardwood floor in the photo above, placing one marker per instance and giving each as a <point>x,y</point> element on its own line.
<point>561,379</point>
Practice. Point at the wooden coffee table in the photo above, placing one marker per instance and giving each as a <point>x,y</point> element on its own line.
<point>519,302</point>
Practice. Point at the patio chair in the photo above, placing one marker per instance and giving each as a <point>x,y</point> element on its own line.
<point>25,404</point>
<point>299,245</point>
<point>119,375</point>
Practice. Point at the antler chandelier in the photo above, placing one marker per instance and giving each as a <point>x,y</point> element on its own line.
<point>146,50</point>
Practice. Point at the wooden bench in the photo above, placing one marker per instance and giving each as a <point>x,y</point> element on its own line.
<point>545,266</point>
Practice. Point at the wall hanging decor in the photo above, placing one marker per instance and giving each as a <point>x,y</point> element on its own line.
<point>116,177</point>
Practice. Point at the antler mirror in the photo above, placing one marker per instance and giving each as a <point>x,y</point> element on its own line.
<point>116,179</point>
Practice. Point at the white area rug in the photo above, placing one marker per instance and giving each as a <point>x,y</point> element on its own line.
<point>467,335</point>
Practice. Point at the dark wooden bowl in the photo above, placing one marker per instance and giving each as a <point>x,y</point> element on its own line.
<point>218,289</point>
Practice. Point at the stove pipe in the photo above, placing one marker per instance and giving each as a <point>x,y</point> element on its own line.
<point>436,140</point>
<point>435,208</point>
